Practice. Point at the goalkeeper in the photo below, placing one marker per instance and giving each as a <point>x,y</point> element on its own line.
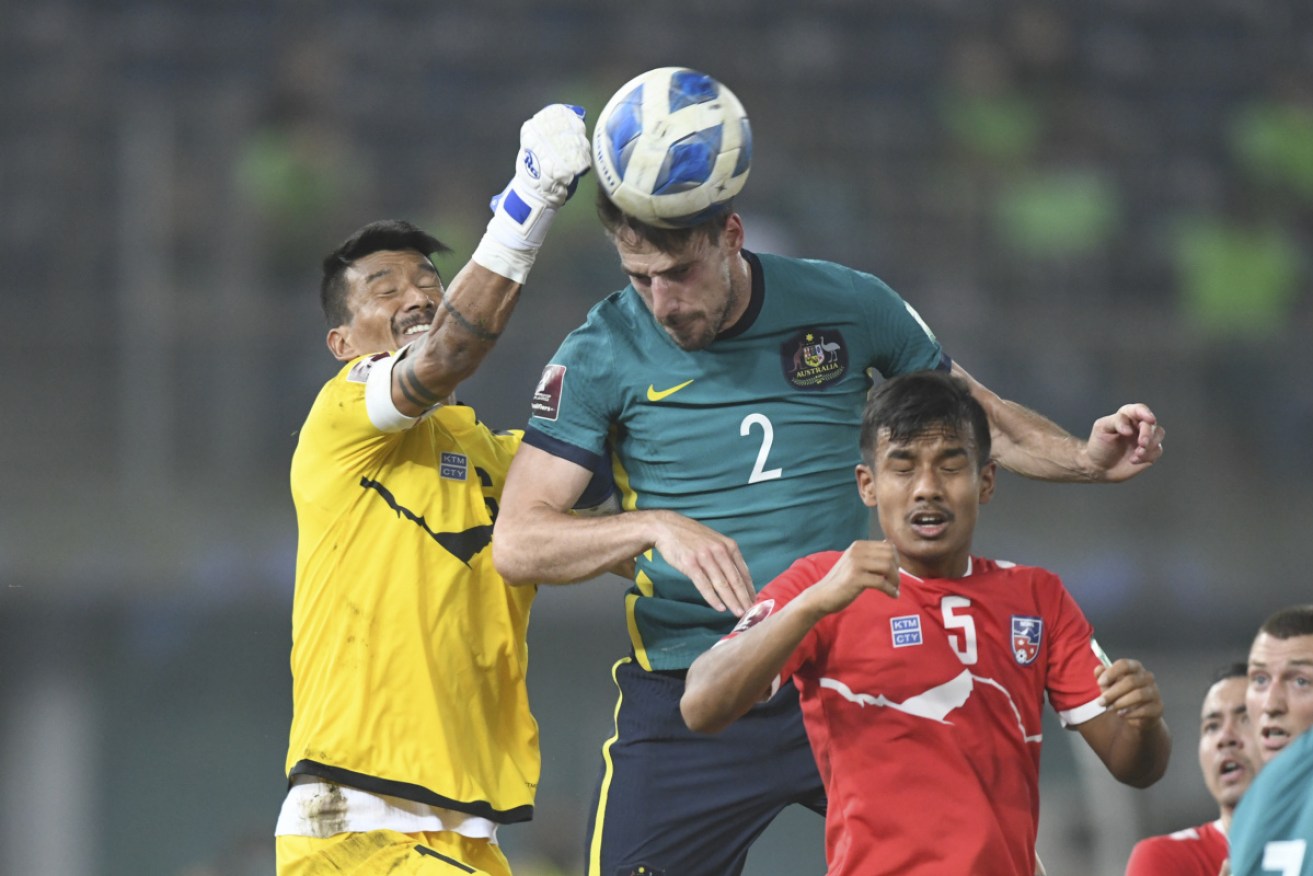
<point>411,740</point>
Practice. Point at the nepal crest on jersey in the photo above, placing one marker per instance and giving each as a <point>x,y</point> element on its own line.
<point>814,357</point>
<point>1027,632</point>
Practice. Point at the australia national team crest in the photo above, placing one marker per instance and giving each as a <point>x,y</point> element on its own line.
<point>814,357</point>
<point>1027,632</point>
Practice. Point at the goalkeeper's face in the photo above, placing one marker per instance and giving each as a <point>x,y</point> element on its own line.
<point>696,292</point>
<point>393,296</point>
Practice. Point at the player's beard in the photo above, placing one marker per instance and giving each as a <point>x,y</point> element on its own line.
<point>699,332</point>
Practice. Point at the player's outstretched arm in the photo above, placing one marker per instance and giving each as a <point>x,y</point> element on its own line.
<point>1120,446</point>
<point>1131,737</point>
<point>476,307</point>
<point>537,540</point>
<point>726,681</point>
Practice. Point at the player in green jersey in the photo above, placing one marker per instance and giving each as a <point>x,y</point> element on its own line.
<point>1272,830</point>
<point>727,388</point>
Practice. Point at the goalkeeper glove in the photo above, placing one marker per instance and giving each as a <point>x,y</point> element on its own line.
<point>554,153</point>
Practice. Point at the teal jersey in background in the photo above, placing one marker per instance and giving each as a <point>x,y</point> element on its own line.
<point>1272,830</point>
<point>755,436</point>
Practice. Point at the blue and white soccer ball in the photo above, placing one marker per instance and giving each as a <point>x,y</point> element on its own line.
<point>671,146</point>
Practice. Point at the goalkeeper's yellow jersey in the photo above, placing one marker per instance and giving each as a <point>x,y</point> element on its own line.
<point>408,649</point>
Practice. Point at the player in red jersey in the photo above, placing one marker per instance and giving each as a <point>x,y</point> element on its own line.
<point>922,669</point>
<point>1228,766</point>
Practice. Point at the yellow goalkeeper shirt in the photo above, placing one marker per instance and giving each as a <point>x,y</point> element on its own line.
<point>408,649</point>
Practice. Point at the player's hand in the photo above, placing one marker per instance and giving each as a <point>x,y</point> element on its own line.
<point>1124,444</point>
<point>1131,691</point>
<point>554,153</point>
<point>1226,868</point>
<point>710,560</point>
<point>865,565</point>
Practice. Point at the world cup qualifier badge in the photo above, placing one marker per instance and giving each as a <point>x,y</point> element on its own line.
<point>814,357</point>
<point>547,394</point>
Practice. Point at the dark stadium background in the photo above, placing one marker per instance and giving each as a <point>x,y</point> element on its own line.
<point>1091,203</point>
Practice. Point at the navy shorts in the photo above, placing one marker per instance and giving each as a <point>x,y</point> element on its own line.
<point>671,802</point>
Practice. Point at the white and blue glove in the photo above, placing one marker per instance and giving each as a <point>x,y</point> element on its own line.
<point>554,153</point>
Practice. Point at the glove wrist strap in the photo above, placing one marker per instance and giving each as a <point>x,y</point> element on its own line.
<point>514,235</point>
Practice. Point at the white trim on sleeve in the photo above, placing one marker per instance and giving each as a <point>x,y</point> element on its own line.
<point>1081,714</point>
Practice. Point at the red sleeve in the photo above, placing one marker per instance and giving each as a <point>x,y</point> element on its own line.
<point>1072,688</point>
<point>780,592</point>
<point>1154,856</point>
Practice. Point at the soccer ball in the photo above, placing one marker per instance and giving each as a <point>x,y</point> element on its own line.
<point>671,146</point>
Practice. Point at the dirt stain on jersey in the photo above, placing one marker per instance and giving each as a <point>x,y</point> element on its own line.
<point>325,812</point>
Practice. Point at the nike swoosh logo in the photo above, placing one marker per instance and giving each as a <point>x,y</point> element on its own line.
<point>654,394</point>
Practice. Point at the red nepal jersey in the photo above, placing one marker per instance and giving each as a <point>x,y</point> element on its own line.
<point>924,713</point>
<point>1195,851</point>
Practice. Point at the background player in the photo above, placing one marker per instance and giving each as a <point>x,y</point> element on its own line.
<point>411,738</point>
<point>1226,759</point>
<point>1272,831</point>
<point>923,670</point>
<point>728,388</point>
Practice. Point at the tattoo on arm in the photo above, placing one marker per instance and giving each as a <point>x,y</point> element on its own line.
<point>415,392</point>
<point>478,331</point>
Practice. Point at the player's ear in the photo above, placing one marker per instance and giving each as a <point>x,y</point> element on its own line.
<point>988,477</point>
<point>733,233</point>
<point>339,344</point>
<point>866,484</point>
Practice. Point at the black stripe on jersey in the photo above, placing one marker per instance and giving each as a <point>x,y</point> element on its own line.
<point>755,300</point>
<point>564,449</point>
<point>600,486</point>
<point>407,791</point>
<point>425,850</point>
<point>461,545</point>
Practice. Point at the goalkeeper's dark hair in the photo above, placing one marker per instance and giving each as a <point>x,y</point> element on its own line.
<point>620,225</point>
<point>380,236</point>
<point>920,403</point>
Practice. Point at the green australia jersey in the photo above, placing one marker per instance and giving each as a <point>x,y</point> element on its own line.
<point>1272,830</point>
<point>755,436</point>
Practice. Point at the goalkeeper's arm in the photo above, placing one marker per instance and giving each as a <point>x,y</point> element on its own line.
<point>477,305</point>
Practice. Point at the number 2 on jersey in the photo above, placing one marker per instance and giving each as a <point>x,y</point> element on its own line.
<point>759,471</point>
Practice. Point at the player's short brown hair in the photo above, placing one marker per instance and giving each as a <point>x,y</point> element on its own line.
<point>620,225</point>
<point>1289,622</point>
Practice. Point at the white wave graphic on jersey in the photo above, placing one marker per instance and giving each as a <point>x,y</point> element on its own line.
<point>934,704</point>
